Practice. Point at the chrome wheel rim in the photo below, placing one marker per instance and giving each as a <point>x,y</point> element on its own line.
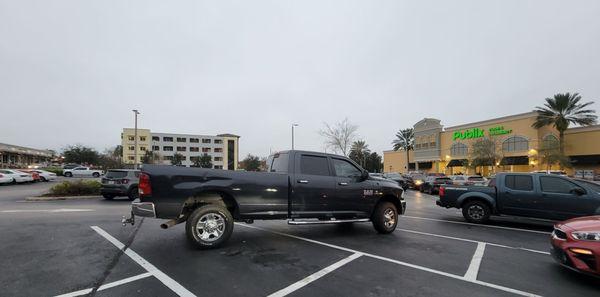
<point>476,212</point>
<point>389,218</point>
<point>210,227</point>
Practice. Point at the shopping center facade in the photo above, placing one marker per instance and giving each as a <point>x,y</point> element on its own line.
<point>519,147</point>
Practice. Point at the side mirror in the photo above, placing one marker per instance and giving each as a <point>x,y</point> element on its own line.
<point>364,175</point>
<point>578,191</point>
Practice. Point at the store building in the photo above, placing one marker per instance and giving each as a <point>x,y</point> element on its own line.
<point>14,156</point>
<point>222,148</point>
<point>518,147</point>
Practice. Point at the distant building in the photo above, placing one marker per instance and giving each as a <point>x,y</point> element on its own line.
<point>14,156</point>
<point>222,148</point>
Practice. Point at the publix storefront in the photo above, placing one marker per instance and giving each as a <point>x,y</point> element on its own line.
<point>517,147</point>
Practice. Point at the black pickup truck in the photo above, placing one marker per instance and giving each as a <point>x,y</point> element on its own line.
<point>535,195</point>
<point>302,187</point>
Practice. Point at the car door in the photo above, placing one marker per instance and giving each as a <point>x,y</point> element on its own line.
<point>353,195</point>
<point>563,199</point>
<point>313,186</point>
<point>79,171</point>
<point>518,196</point>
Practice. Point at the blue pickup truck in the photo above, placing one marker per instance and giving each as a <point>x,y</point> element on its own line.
<point>536,195</point>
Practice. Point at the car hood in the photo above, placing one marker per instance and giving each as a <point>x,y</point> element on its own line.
<point>591,223</point>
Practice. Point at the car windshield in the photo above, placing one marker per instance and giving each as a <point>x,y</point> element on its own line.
<point>592,185</point>
<point>116,174</point>
<point>443,179</point>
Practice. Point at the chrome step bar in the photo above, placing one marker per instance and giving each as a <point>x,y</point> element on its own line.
<point>333,221</point>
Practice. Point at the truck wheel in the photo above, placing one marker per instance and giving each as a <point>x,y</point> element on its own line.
<point>108,196</point>
<point>68,174</point>
<point>209,226</point>
<point>385,217</point>
<point>476,212</point>
<point>96,174</point>
<point>133,194</point>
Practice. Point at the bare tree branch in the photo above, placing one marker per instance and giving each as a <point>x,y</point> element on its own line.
<point>339,137</point>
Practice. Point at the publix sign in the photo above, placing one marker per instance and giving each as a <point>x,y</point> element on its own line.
<point>478,133</point>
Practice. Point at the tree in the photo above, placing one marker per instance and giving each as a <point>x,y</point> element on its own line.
<point>405,140</point>
<point>483,153</point>
<point>117,152</point>
<point>550,154</point>
<point>150,157</point>
<point>373,162</point>
<point>177,159</point>
<point>359,152</point>
<point>561,111</point>
<point>204,161</point>
<point>339,137</point>
<point>251,163</point>
<point>80,154</point>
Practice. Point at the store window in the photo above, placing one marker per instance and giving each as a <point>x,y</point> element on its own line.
<point>550,142</point>
<point>459,149</point>
<point>515,144</point>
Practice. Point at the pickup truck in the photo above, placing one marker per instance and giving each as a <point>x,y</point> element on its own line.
<point>299,186</point>
<point>82,171</point>
<point>536,195</point>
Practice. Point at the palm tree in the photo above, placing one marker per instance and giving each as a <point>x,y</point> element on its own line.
<point>405,140</point>
<point>561,111</point>
<point>359,151</point>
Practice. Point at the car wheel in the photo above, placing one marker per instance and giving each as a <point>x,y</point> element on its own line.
<point>96,174</point>
<point>476,212</point>
<point>43,179</point>
<point>68,174</point>
<point>133,194</point>
<point>209,226</point>
<point>385,217</point>
<point>14,181</point>
<point>108,196</point>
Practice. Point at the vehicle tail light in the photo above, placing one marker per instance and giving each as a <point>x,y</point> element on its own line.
<point>442,191</point>
<point>124,181</point>
<point>144,186</point>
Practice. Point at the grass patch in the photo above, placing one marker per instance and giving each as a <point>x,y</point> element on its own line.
<point>77,188</point>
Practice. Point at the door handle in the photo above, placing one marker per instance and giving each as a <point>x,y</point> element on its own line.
<point>302,181</point>
<point>343,184</point>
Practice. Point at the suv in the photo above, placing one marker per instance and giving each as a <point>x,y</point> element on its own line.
<point>433,183</point>
<point>120,182</point>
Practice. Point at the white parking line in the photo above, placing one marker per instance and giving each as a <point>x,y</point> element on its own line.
<point>165,279</point>
<point>107,286</point>
<point>422,268</point>
<point>472,224</point>
<point>45,210</point>
<point>315,276</point>
<point>473,270</point>
<point>473,241</point>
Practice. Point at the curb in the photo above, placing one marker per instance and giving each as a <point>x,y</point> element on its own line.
<point>61,198</point>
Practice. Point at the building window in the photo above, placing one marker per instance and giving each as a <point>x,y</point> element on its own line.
<point>132,138</point>
<point>181,139</point>
<point>155,138</point>
<point>550,142</point>
<point>218,141</point>
<point>218,150</point>
<point>205,140</point>
<point>218,166</point>
<point>432,142</point>
<point>142,148</point>
<point>459,149</point>
<point>515,144</point>
<point>206,150</point>
<point>156,148</point>
<point>131,158</point>
<point>218,159</point>
<point>142,138</point>
<point>132,148</point>
<point>194,140</point>
<point>168,158</point>
<point>194,149</point>
<point>168,139</point>
<point>181,149</point>
<point>167,148</point>
<point>183,158</point>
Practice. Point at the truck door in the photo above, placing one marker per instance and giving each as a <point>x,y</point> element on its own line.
<point>312,186</point>
<point>353,196</point>
<point>563,199</point>
<point>517,196</point>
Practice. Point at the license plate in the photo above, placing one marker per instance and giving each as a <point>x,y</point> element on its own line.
<point>111,182</point>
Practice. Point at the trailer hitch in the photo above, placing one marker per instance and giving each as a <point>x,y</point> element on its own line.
<point>130,220</point>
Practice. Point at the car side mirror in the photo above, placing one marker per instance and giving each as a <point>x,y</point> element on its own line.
<point>578,191</point>
<point>364,176</point>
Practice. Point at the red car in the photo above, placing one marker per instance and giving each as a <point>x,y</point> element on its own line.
<point>35,175</point>
<point>576,244</point>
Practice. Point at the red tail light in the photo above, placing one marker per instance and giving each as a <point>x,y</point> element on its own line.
<point>144,187</point>
<point>442,191</point>
<point>124,181</point>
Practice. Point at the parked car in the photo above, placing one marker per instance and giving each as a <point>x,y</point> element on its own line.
<point>17,176</point>
<point>397,177</point>
<point>45,175</point>
<point>302,187</point>
<point>82,172</point>
<point>5,178</point>
<point>34,175</point>
<point>576,244</point>
<point>120,182</point>
<point>432,184</point>
<point>468,180</point>
<point>415,181</point>
<point>536,195</point>
<point>71,166</point>
<point>555,172</point>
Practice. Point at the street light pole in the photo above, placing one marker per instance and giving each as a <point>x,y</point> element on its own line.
<point>293,125</point>
<point>135,141</point>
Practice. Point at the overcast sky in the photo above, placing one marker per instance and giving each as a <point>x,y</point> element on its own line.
<point>71,71</point>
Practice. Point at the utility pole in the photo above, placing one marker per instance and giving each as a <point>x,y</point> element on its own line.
<point>135,141</point>
<point>293,125</point>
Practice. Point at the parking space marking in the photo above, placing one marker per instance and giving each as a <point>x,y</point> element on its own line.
<point>107,286</point>
<point>472,224</point>
<point>422,268</point>
<point>315,276</point>
<point>161,276</point>
<point>473,270</point>
<point>473,241</point>
<point>45,210</point>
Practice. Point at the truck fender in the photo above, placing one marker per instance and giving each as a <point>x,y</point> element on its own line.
<point>478,196</point>
<point>212,196</point>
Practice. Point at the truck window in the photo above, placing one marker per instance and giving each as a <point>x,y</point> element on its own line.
<point>314,165</point>
<point>344,168</point>
<point>519,182</point>
<point>278,163</point>
<point>556,185</point>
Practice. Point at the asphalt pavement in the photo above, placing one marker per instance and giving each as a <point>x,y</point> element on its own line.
<point>75,247</point>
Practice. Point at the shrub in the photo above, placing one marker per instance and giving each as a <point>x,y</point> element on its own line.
<point>57,170</point>
<point>78,188</point>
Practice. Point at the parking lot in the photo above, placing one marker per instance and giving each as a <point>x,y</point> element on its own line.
<point>75,247</point>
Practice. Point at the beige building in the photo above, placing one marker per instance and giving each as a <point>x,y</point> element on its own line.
<point>447,149</point>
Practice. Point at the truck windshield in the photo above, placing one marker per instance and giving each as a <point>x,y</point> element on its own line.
<point>278,163</point>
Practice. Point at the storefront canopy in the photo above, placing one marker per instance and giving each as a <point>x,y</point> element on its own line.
<point>518,160</point>
<point>585,160</point>
<point>457,163</point>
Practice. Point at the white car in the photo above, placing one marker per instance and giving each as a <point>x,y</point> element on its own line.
<point>82,172</point>
<point>16,176</point>
<point>45,175</point>
<point>468,180</point>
